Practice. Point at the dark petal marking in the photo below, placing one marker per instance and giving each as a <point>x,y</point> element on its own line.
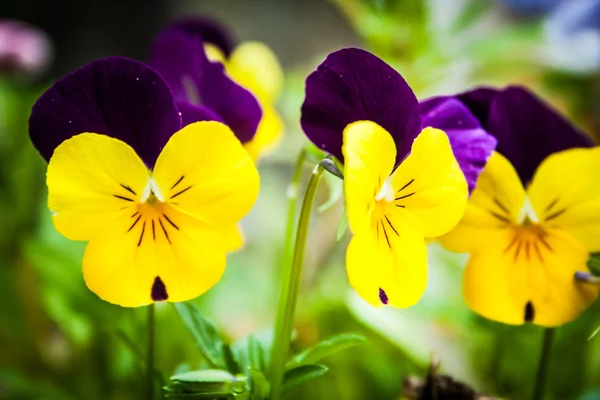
<point>142,234</point>
<point>136,213</point>
<point>164,230</point>
<point>383,296</point>
<point>135,222</point>
<point>405,196</point>
<point>500,217</point>
<point>537,250</point>
<point>399,205</point>
<point>556,214</point>
<point>130,190</point>
<point>171,222</point>
<point>511,244</point>
<point>405,186</point>
<point>552,204</point>
<point>502,206</point>
<point>392,226</point>
<point>153,231</point>
<point>122,198</point>
<point>517,251</point>
<point>177,183</point>
<point>529,312</point>
<point>527,250</point>
<point>159,290</point>
<point>180,192</point>
<point>543,240</point>
<point>387,239</point>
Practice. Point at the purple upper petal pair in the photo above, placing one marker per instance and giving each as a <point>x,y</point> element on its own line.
<point>200,86</point>
<point>353,85</point>
<point>527,129</point>
<point>114,96</point>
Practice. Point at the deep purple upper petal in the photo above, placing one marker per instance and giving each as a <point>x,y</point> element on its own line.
<point>528,130</point>
<point>191,113</point>
<point>181,59</point>
<point>114,96</point>
<point>479,101</point>
<point>209,30</point>
<point>471,144</point>
<point>353,85</point>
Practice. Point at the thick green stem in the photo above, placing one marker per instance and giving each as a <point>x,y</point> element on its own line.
<point>150,387</point>
<point>290,285</point>
<point>292,194</point>
<point>542,373</point>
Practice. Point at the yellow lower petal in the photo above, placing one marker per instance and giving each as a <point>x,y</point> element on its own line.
<point>388,263</point>
<point>268,135</point>
<point>164,255</point>
<point>205,171</point>
<point>565,193</point>
<point>530,278</point>
<point>429,184</point>
<point>93,181</point>
<point>494,205</point>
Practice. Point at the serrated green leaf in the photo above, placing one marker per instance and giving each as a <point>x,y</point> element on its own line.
<point>260,385</point>
<point>205,335</point>
<point>300,374</point>
<point>326,348</point>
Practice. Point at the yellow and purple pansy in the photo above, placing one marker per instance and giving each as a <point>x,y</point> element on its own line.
<point>403,180</point>
<point>186,48</point>
<point>534,216</point>
<point>157,199</point>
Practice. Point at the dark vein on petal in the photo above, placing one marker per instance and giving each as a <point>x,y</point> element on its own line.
<point>387,239</point>
<point>177,183</point>
<point>405,196</point>
<point>511,244</point>
<point>130,190</point>
<point>552,204</point>
<point>171,222</point>
<point>134,223</point>
<point>391,226</point>
<point>537,250</point>
<point>502,206</point>
<point>136,213</point>
<point>142,234</point>
<point>153,231</point>
<point>517,251</point>
<point>398,205</point>
<point>180,192</point>
<point>499,217</point>
<point>164,230</point>
<point>122,198</point>
<point>556,214</point>
<point>405,186</point>
<point>527,250</point>
<point>543,240</point>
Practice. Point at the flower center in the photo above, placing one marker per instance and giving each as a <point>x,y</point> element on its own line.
<point>386,192</point>
<point>529,242</point>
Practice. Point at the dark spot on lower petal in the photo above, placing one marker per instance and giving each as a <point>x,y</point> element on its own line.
<point>159,290</point>
<point>529,312</point>
<point>383,296</point>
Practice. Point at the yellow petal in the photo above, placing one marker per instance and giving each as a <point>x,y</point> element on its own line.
<point>565,193</point>
<point>430,185</point>
<point>254,66</point>
<point>268,134</point>
<point>214,53</point>
<point>233,238</point>
<point>93,180</point>
<point>165,255</point>
<point>205,171</point>
<point>369,157</point>
<point>529,278</point>
<point>392,260</point>
<point>494,204</point>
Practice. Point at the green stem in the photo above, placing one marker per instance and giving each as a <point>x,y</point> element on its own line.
<point>290,286</point>
<point>150,389</point>
<point>292,194</point>
<point>542,373</point>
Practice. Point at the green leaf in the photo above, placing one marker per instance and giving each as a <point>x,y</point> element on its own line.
<point>343,226</point>
<point>206,375</point>
<point>336,191</point>
<point>593,263</point>
<point>232,365</point>
<point>260,385</point>
<point>208,381</point>
<point>205,335</point>
<point>300,374</point>
<point>326,348</point>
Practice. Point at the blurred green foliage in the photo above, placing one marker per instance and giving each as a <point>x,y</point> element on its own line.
<point>59,341</point>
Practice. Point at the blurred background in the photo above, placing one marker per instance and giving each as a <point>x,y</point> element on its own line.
<point>59,341</point>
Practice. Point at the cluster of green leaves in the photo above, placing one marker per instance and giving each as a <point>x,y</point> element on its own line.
<point>240,370</point>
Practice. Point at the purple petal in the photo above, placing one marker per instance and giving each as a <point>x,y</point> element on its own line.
<point>353,85</point>
<point>471,144</point>
<point>528,130</point>
<point>180,58</point>
<point>114,96</point>
<point>191,113</point>
<point>479,101</point>
<point>209,30</point>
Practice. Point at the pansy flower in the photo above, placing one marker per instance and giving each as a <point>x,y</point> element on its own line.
<point>184,50</point>
<point>402,180</point>
<point>534,216</point>
<point>157,203</point>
